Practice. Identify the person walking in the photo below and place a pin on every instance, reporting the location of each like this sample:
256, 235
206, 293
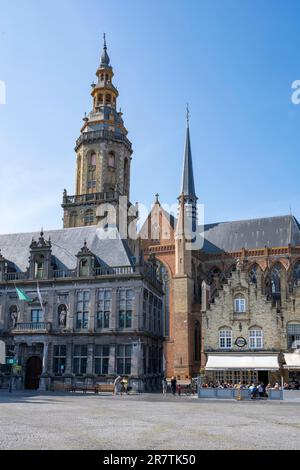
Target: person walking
164, 386
173, 385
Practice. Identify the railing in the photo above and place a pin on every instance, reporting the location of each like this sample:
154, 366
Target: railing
118, 270
102, 134
14, 276
92, 197
58, 274
38, 326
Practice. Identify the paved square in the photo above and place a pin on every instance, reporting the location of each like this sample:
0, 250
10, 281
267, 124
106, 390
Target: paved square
64, 421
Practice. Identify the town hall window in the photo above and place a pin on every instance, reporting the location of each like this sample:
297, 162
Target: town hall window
126, 297
79, 359
36, 316
103, 308
101, 359
82, 312
240, 305
124, 359
59, 359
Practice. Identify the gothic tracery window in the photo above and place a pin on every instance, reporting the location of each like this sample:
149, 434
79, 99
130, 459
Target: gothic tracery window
296, 273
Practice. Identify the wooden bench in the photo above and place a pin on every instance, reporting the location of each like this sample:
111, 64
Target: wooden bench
97, 388
108, 388
61, 387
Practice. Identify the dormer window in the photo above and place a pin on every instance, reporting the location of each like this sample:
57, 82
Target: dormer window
239, 305
39, 267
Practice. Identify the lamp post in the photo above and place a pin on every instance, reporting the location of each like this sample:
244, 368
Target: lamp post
11, 351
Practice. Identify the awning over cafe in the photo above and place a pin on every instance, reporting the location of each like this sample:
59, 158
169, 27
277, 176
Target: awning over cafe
242, 362
292, 361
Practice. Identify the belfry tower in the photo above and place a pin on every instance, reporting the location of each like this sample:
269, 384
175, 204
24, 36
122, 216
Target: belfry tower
103, 155
183, 282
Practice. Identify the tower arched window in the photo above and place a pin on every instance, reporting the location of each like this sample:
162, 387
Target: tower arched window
108, 99
93, 159
126, 175
111, 160
100, 98
89, 217
73, 219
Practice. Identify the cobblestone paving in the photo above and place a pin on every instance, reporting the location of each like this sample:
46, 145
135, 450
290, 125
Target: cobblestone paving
62, 421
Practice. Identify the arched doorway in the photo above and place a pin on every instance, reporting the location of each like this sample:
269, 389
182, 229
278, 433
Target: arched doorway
34, 369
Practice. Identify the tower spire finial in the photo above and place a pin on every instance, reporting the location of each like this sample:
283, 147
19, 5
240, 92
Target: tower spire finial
105, 61
187, 115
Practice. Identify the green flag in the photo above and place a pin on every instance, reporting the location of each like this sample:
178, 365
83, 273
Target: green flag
22, 295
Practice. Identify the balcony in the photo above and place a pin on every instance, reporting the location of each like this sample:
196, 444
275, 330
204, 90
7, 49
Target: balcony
92, 136
15, 276
60, 274
32, 328
116, 271
91, 198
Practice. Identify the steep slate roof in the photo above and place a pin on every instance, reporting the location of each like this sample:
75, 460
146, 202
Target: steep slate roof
66, 243
250, 234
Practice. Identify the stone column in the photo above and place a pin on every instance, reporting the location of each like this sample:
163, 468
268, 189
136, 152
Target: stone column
114, 309
92, 311
45, 379
136, 311
90, 357
112, 360
136, 366
283, 286
69, 359
70, 317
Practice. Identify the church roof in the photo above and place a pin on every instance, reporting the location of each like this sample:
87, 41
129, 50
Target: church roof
66, 244
250, 234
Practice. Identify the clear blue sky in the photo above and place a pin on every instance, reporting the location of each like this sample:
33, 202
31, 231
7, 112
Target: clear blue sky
233, 61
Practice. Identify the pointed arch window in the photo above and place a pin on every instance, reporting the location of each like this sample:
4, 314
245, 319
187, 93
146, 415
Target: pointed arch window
275, 281
253, 274
296, 273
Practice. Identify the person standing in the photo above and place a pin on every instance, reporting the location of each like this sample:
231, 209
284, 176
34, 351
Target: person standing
173, 385
164, 386
116, 383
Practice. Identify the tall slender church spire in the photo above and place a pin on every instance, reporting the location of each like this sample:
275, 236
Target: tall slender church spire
188, 185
